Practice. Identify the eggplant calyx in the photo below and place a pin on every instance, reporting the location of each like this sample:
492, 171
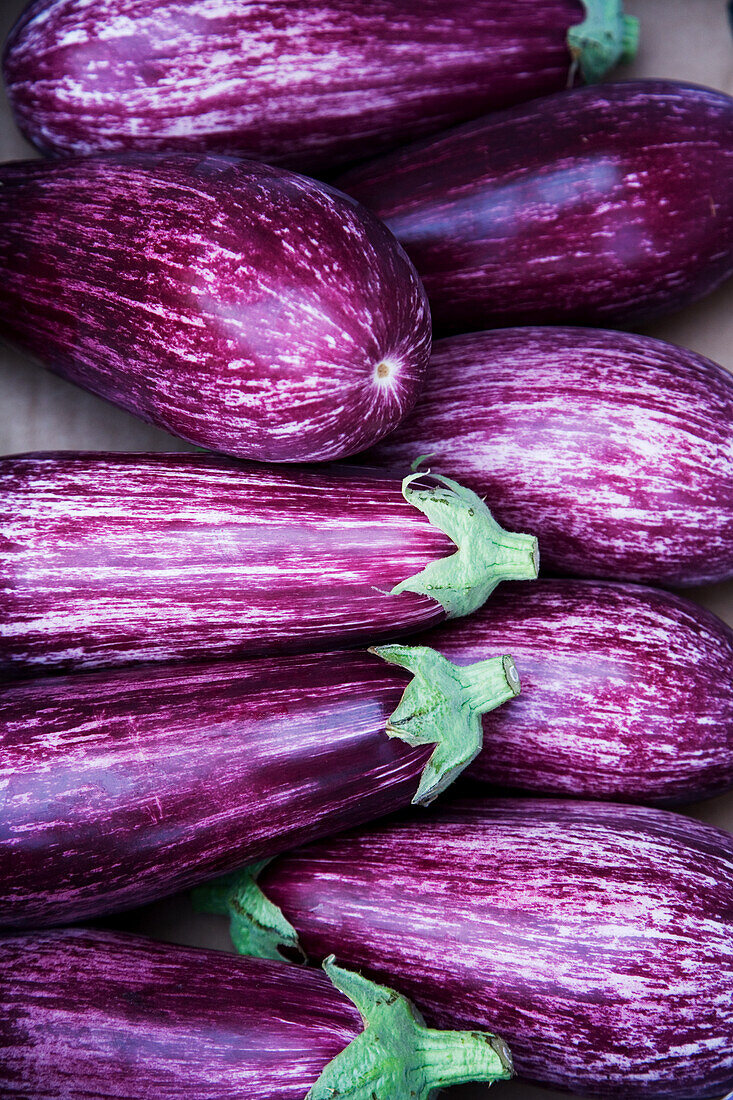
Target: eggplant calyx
442, 706
486, 554
257, 926
604, 38
397, 1057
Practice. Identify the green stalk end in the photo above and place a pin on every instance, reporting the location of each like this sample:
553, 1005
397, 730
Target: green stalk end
604, 38
629, 39
486, 554
442, 706
397, 1057
257, 927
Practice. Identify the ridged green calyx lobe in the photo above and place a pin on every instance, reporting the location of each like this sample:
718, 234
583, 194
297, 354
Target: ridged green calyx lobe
442, 706
397, 1057
486, 554
256, 926
604, 38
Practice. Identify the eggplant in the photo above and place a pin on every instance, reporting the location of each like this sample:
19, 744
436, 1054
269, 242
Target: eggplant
121, 787
627, 692
240, 307
313, 86
617, 450
113, 559
609, 204
91, 1015
597, 939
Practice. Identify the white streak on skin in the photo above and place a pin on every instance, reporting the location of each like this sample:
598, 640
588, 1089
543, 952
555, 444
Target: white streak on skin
108, 559
128, 1016
315, 84
596, 939
615, 450
122, 786
608, 205
627, 691
147, 280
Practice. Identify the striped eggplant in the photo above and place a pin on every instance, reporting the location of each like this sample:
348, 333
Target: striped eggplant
91, 1015
608, 204
616, 449
119, 787
240, 307
627, 692
112, 559
311, 85
597, 939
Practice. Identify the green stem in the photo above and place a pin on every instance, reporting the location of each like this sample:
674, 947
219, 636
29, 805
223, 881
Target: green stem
629, 39
486, 554
442, 706
397, 1057
604, 38
489, 683
456, 1057
257, 926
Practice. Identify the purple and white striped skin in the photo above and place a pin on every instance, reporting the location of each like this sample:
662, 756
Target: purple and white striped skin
240, 307
616, 450
89, 1015
112, 559
596, 938
119, 1016
627, 692
609, 204
117, 788
311, 85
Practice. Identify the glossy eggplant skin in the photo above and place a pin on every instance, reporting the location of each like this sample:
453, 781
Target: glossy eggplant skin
94, 1014
124, 786
243, 308
109, 559
627, 692
157, 1022
615, 449
596, 938
608, 205
312, 86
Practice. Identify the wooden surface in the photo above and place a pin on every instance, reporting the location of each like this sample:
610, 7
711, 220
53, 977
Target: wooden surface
684, 39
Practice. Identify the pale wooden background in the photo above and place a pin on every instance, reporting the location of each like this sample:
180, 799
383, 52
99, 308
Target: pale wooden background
685, 39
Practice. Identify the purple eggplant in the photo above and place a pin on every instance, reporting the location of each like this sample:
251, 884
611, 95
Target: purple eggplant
627, 692
120, 787
597, 939
111, 559
241, 307
312, 85
91, 1015
616, 449
607, 204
